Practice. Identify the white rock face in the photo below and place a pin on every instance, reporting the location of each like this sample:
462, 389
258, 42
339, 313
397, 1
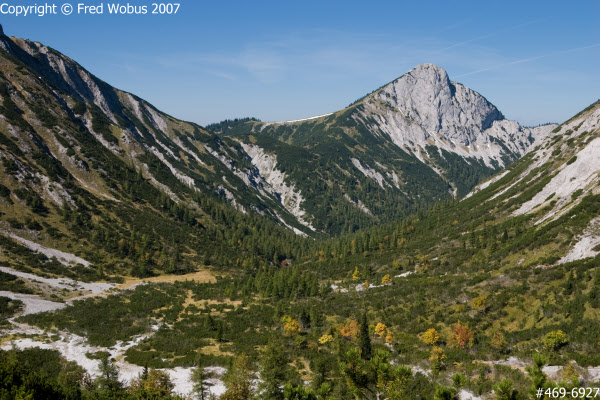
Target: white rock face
466, 395
288, 195
33, 304
248, 177
358, 204
426, 96
135, 106
267, 180
581, 174
179, 175
222, 190
586, 243
158, 121
423, 107
62, 283
68, 75
487, 183
370, 173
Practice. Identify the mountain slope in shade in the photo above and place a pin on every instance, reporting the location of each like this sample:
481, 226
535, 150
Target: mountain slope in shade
189, 158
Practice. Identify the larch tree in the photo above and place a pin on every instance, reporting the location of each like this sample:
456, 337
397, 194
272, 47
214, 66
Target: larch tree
430, 336
386, 280
380, 329
498, 341
238, 379
461, 336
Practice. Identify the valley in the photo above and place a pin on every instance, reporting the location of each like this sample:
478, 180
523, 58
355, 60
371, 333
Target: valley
414, 245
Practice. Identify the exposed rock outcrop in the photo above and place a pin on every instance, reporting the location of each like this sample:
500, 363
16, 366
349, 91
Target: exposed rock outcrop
423, 107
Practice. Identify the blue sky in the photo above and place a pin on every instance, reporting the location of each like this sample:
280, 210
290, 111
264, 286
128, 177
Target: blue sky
276, 60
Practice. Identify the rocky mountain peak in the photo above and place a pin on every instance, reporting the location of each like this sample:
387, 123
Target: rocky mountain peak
1, 30
425, 97
429, 73
424, 107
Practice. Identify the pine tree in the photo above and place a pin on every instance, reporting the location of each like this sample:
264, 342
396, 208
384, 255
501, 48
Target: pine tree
108, 382
220, 329
538, 377
364, 339
273, 368
504, 390
444, 393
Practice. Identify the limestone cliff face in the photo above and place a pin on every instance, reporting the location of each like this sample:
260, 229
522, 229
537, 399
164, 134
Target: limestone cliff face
427, 99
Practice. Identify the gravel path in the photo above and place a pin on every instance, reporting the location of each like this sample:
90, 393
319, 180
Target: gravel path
33, 304
62, 283
66, 259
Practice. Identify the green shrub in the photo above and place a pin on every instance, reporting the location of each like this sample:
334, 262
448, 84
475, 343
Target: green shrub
576, 194
554, 340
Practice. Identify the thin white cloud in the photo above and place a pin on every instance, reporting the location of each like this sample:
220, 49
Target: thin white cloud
525, 60
510, 28
223, 75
